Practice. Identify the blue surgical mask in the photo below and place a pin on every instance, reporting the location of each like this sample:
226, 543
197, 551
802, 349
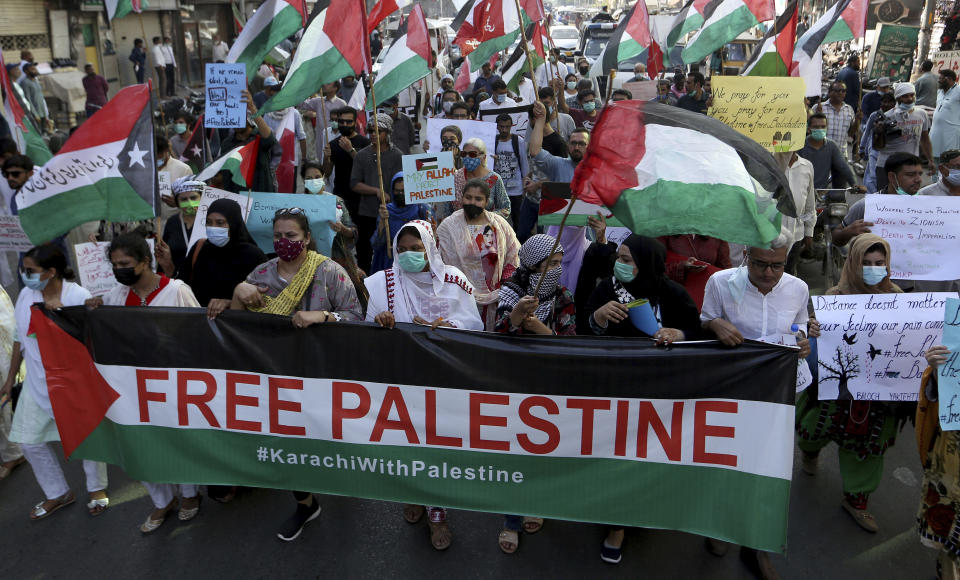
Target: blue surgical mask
873, 275
549, 111
412, 261
905, 106
219, 237
334, 125
499, 99
471, 163
314, 185
901, 191
571, 85
33, 281
590, 106
623, 272
180, 128
818, 134
954, 177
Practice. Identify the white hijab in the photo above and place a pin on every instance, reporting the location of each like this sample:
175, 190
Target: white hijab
419, 287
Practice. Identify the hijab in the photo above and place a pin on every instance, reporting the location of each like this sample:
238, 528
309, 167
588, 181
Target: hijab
650, 257
238, 229
851, 277
525, 279
401, 215
427, 284
575, 243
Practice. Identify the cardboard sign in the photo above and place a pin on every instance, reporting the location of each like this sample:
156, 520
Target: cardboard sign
225, 83
164, 185
948, 379
642, 90
428, 177
12, 236
519, 114
554, 199
94, 268
210, 195
769, 111
320, 211
804, 376
486, 132
871, 346
922, 231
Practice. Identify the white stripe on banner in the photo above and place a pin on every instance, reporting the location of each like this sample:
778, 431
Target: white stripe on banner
673, 153
76, 169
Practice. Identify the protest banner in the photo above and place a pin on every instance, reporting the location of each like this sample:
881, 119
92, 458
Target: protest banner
94, 269
922, 231
946, 59
680, 439
871, 345
554, 199
519, 114
428, 177
486, 132
948, 375
642, 90
319, 209
210, 195
769, 111
12, 236
891, 52
225, 83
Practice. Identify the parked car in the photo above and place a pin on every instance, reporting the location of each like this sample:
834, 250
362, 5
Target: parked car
565, 38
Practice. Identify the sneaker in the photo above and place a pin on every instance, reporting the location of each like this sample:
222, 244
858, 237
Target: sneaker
863, 518
609, 554
808, 462
292, 527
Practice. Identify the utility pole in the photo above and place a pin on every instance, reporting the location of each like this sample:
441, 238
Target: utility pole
926, 30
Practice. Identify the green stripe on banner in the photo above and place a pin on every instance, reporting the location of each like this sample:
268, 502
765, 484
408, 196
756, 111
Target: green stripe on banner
719, 33
308, 78
485, 51
284, 24
839, 32
769, 65
111, 199
746, 509
709, 209
399, 78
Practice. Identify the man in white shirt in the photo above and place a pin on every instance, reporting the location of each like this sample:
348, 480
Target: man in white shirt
220, 49
914, 126
171, 67
320, 108
159, 64
490, 108
799, 173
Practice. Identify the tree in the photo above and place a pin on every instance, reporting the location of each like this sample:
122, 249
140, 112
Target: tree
846, 369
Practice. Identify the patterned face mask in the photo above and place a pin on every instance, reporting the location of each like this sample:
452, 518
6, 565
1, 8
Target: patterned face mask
288, 250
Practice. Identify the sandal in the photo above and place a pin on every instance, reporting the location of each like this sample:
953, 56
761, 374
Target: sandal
509, 541
95, 507
39, 512
532, 525
412, 513
440, 535
151, 525
188, 513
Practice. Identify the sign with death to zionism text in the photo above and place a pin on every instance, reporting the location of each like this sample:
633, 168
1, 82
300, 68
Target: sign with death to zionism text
923, 232
225, 83
769, 111
871, 346
428, 177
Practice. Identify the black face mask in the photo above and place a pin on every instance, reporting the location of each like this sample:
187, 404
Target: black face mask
584, 70
472, 211
345, 130
448, 144
399, 200
126, 276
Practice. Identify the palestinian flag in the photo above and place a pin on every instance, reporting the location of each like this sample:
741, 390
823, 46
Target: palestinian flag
664, 170
485, 28
382, 9
466, 77
240, 162
120, 8
427, 164
555, 197
194, 153
532, 11
700, 449
512, 70
22, 129
728, 19
630, 38
273, 22
105, 171
851, 24
238, 20
845, 20
408, 59
688, 20
334, 45
290, 156
775, 54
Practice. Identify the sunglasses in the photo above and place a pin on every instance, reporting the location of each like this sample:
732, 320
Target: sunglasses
472, 154
14, 173
289, 211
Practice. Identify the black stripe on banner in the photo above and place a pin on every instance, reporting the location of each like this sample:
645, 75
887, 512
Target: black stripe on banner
816, 37
778, 27
508, 110
416, 355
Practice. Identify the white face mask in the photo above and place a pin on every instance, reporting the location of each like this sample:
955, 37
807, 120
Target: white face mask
314, 185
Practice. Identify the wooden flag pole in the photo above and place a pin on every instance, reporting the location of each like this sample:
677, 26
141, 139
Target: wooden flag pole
383, 196
526, 50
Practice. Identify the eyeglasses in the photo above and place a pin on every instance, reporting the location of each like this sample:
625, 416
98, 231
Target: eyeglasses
289, 211
14, 173
774, 266
472, 153
578, 143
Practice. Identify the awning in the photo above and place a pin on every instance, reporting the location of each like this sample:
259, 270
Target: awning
66, 86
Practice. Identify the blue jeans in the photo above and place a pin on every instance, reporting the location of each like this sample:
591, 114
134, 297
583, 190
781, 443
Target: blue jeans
529, 212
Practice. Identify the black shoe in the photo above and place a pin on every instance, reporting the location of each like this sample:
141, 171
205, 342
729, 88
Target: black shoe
758, 563
292, 527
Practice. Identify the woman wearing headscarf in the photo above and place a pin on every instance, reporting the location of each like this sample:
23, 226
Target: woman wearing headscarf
172, 249
44, 274
862, 430
217, 263
552, 311
139, 285
396, 214
474, 155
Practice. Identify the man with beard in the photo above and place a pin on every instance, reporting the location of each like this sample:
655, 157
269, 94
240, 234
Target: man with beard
945, 133
342, 152
556, 168
366, 183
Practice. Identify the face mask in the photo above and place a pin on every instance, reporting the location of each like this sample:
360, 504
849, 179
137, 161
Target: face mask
412, 261
818, 134
33, 281
180, 128
219, 237
446, 106
954, 177
584, 70
590, 106
549, 111
288, 250
189, 207
126, 276
900, 190
314, 185
872, 275
553, 59
333, 125
389, 111
571, 85
399, 200
550, 280
448, 144
472, 211
471, 163
344, 130
161, 163
905, 106
623, 272
499, 99
738, 282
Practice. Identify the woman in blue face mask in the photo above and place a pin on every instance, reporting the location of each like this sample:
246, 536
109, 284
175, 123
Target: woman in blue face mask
474, 156
44, 273
342, 250
862, 430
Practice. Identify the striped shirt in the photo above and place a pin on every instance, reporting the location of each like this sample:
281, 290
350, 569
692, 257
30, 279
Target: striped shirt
838, 124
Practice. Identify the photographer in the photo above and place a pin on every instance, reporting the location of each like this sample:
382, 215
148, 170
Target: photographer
914, 136
875, 136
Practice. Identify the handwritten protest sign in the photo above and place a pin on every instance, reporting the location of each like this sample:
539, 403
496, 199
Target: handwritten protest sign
225, 83
428, 177
210, 195
94, 268
804, 376
642, 90
319, 209
12, 236
164, 185
871, 345
769, 111
519, 114
923, 232
948, 376
486, 132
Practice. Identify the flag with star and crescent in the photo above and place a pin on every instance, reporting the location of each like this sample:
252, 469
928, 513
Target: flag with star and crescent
106, 171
